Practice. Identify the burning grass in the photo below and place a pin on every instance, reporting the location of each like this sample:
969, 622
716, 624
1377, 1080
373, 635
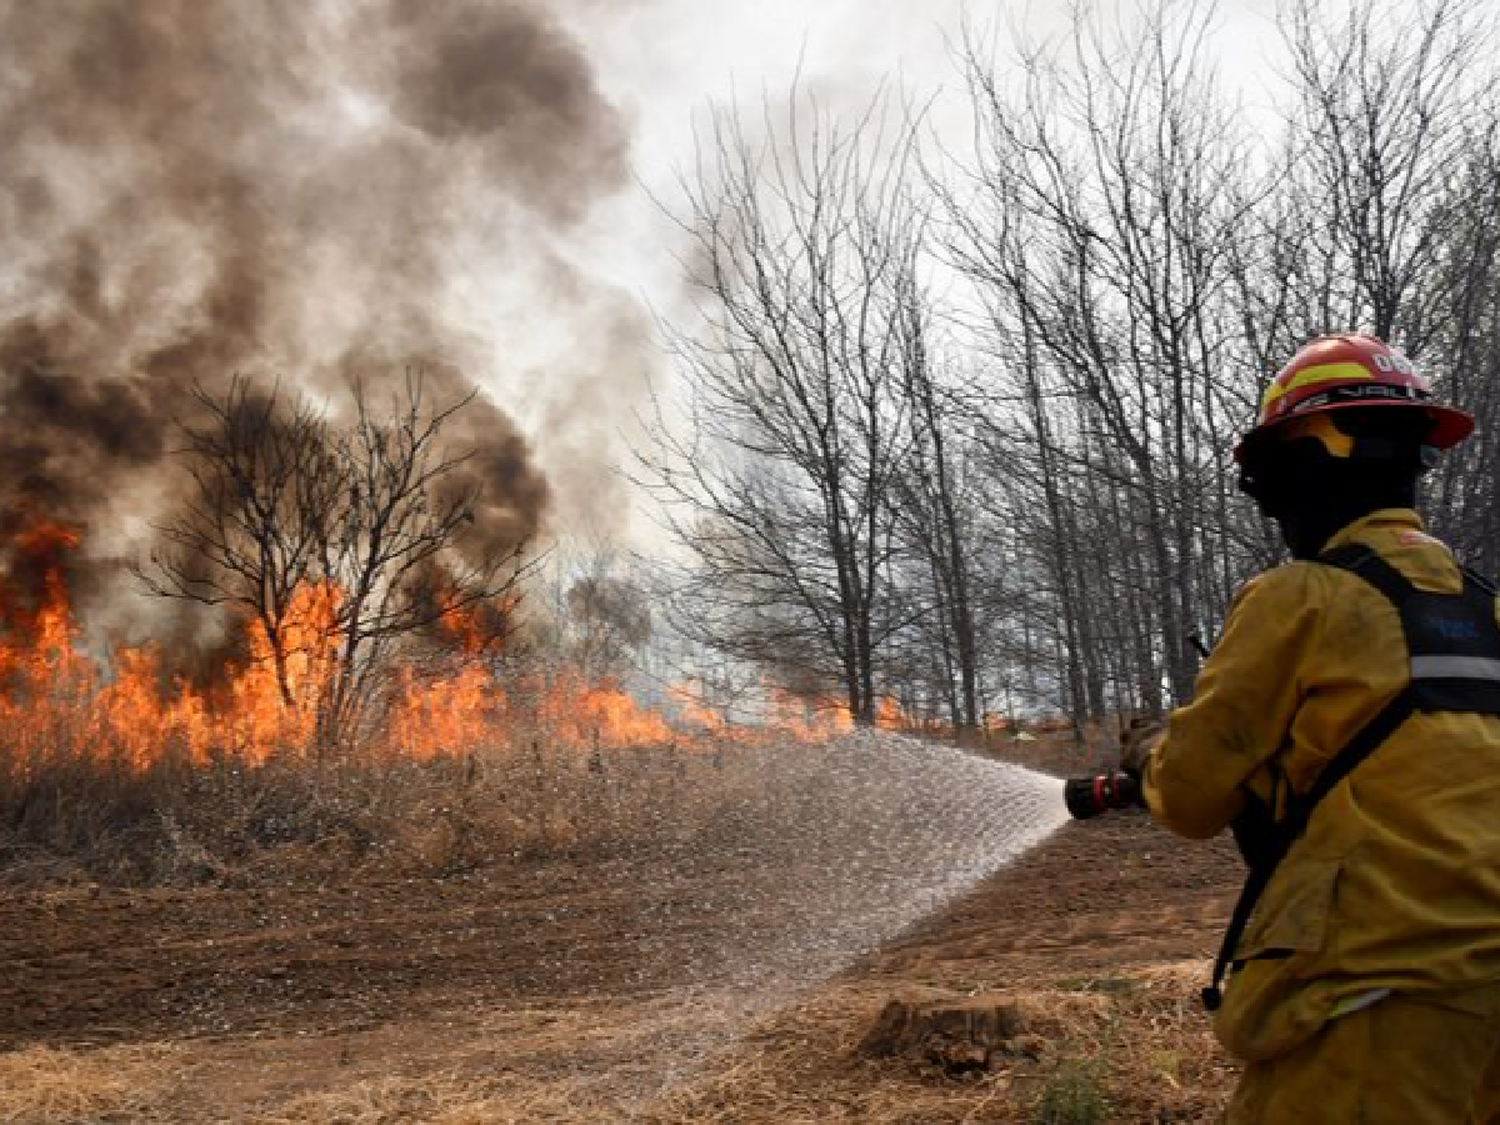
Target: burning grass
460, 755
444, 695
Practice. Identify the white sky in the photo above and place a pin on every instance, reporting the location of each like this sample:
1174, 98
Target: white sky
663, 61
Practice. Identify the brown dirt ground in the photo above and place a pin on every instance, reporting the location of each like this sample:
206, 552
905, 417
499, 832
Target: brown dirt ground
605, 992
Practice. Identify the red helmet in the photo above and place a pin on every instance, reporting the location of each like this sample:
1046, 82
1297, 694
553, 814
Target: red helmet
1337, 372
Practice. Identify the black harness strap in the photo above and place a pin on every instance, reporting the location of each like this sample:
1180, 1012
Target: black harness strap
1361, 560
1454, 647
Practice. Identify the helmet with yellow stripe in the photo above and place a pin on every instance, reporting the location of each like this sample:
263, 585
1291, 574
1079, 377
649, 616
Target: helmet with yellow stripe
1341, 372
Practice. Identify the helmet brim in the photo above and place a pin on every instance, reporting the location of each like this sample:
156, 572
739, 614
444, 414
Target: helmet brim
1449, 425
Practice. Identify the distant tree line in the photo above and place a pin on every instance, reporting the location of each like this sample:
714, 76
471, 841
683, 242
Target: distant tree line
957, 427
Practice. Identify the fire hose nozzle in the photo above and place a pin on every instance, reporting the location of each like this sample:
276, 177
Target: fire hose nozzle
1088, 797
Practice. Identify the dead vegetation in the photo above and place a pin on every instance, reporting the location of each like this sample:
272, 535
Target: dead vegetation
1138, 1054
441, 1100
522, 999
1134, 1053
59, 1086
229, 824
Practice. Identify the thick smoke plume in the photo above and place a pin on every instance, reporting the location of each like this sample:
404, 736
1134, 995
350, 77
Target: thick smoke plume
191, 189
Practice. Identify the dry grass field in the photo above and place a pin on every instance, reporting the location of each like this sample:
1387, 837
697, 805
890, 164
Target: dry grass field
717, 975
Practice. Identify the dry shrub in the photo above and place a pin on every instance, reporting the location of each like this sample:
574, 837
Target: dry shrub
1073, 1093
74, 818
51, 1086
1164, 1063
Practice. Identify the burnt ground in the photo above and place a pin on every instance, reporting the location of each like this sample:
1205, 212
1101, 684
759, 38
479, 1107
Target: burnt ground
637, 992
102, 966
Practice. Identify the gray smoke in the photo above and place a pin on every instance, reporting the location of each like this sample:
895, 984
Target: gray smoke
191, 189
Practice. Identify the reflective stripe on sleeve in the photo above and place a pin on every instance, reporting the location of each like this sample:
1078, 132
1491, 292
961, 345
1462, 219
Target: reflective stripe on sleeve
1358, 1002
1454, 668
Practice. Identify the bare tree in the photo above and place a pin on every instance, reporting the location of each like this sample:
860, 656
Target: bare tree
781, 487
374, 515
1381, 129
1393, 189
1099, 229
938, 504
1056, 530
265, 476
1466, 489
601, 609
395, 548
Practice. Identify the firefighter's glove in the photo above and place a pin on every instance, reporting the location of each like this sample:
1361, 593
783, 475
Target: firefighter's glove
1140, 736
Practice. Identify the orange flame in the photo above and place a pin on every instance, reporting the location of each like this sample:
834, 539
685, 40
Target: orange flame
888, 714
57, 702
808, 719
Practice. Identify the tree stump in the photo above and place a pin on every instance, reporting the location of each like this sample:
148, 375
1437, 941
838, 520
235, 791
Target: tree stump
960, 1034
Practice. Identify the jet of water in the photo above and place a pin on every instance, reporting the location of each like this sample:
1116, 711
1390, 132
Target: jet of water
854, 842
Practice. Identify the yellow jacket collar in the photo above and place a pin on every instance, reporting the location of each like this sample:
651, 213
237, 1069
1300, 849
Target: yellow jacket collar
1382, 518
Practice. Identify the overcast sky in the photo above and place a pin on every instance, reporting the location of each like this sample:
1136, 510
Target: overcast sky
662, 62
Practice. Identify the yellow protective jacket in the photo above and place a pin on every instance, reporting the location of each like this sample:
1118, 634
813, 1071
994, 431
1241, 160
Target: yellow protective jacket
1396, 882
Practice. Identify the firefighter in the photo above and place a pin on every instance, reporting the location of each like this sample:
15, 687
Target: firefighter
1347, 728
